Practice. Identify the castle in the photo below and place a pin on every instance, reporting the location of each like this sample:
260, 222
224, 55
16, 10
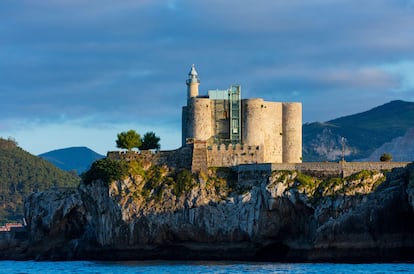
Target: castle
238, 131
223, 130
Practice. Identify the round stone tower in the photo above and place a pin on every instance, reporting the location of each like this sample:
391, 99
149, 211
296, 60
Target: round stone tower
292, 132
252, 124
197, 117
192, 83
200, 124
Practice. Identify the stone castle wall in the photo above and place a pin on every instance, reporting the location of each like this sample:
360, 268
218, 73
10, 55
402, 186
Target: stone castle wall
178, 159
252, 122
273, 126
233, 155
292, 132
273, 136
244, 160
262, 126
197, 120
319, 169
276, 126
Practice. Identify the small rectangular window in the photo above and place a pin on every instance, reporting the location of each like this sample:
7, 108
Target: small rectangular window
235, 126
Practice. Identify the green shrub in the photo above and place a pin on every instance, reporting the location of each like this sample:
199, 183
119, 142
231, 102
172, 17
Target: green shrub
107, 170
154, 180
386, 157
184, 181
223, 179
362, 175
331, 187
220, 184
307, 183
135, 168
306, 180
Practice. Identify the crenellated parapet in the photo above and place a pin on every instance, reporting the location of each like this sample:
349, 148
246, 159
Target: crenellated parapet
260, 131
233, 155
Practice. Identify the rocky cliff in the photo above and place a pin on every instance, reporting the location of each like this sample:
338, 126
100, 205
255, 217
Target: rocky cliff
287, 216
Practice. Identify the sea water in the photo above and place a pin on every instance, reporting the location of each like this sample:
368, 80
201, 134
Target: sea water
196, 267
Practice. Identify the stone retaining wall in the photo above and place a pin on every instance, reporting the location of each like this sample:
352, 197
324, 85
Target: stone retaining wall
243, 160
323, 169
177, 159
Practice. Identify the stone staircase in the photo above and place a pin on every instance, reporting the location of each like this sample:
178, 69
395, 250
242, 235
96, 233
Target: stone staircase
199, 161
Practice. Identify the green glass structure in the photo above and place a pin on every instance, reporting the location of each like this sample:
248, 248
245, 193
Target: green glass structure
226, 115
235, 114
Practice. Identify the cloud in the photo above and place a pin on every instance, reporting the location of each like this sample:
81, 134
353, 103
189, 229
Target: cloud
108, 62
345, 77
405, 71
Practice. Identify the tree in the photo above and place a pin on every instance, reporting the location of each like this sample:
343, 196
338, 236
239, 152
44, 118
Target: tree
150, 141
386, 157
128, 140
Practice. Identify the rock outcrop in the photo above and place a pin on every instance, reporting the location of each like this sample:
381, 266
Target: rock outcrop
277, 218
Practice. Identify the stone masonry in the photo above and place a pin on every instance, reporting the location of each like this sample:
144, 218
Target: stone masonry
238, 131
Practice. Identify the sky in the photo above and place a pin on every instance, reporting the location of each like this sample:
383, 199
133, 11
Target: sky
77, 73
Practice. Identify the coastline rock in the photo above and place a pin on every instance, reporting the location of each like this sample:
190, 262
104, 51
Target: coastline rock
272, 220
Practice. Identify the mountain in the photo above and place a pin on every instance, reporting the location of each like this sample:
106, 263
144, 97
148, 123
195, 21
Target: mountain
22, 173
386, 128
72, 158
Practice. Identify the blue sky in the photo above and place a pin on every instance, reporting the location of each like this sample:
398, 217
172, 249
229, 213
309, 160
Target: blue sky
76, 73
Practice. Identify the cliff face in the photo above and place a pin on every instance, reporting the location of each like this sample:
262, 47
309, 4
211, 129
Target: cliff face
280, 218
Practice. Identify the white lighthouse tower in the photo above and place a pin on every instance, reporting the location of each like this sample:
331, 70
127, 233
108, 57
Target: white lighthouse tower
192, 83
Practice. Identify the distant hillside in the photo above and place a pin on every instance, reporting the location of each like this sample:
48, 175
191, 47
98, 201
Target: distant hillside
77, 159
365, 133
22, 173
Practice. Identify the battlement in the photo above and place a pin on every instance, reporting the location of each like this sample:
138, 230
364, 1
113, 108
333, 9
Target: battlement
236, 147
224, 117
232, 155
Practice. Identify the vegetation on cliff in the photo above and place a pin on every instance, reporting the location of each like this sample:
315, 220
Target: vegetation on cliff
249, 213
314, 189
149, 182
106, 170
21, 174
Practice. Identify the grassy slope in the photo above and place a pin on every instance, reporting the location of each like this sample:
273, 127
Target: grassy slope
22, 173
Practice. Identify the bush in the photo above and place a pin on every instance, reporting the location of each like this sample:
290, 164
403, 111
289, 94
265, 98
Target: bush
307, 183
184, 182
135, 168
330, 187
154, 179
361, 175
106, 170
386, 157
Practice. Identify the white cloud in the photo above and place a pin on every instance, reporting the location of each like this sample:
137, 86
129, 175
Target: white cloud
405, 71
108, 61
